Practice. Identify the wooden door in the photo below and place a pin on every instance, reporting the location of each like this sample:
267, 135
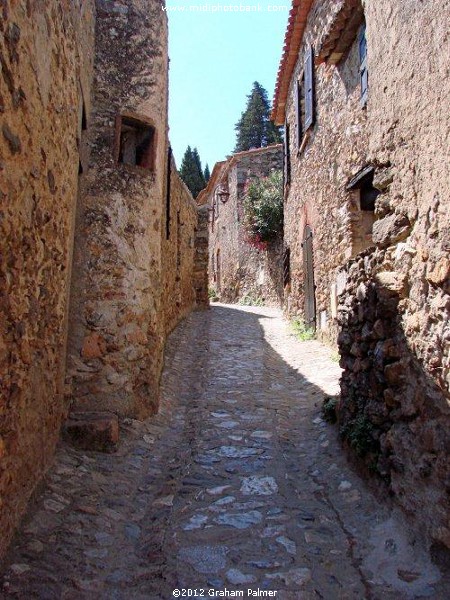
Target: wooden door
308, 269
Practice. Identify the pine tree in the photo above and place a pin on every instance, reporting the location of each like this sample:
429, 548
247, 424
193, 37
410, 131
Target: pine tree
207, 174
191, 171
255, 129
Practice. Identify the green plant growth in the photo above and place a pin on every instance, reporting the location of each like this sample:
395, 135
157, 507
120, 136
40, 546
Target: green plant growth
335, 357
191, 171
251, 300
359, 434
263, 209
302, 331
212, 294
329, 409
255, 129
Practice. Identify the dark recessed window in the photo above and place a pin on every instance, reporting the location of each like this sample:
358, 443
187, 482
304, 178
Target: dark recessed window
367, 196
136, 144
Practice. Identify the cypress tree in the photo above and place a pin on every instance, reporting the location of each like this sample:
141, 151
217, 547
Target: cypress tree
191, 171
255, 129
207, 174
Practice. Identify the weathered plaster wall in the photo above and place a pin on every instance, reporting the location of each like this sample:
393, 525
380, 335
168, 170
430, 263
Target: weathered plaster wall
334, 150
117, 332
244, 270
394, 313
46, 53
179, 294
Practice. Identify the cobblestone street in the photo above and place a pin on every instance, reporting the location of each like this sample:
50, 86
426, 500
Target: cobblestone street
237, 484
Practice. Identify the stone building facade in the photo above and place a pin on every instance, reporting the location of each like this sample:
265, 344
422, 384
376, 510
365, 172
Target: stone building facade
238, 271
366, 223
98, 234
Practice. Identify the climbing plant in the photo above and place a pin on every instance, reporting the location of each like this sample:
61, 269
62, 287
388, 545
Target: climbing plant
263, 209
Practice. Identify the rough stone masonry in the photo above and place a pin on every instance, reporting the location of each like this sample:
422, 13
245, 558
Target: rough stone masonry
91, 209
363, 87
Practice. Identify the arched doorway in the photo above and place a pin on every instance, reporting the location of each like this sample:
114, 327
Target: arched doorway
308, 270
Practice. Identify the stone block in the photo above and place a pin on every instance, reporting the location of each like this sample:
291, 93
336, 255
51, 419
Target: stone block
93, 431
94, 346
391, 229
392, 281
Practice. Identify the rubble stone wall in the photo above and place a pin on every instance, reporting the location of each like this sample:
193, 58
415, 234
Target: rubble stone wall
394, 310
46, 51
333, 150
179, 296
117, 324
245, 273
201, 258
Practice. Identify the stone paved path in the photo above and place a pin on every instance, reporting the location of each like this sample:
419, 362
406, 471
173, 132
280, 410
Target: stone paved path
236, 485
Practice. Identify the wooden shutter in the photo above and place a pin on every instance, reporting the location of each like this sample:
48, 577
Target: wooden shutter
298, 112
309, 88
286, 155
363, 74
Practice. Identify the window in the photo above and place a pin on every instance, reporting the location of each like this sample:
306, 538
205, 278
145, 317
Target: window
309, 88
286, 156
304, 97
363, 74
362, 208
299, 111
136, 142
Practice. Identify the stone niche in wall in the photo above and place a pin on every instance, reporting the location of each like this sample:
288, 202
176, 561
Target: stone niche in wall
361, 211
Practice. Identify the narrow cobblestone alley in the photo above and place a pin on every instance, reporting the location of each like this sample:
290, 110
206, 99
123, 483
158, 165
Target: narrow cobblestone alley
237, 484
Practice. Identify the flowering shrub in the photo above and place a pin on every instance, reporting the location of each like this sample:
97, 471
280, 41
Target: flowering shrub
263, 210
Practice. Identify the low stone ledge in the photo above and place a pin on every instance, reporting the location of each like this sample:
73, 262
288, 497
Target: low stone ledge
92, 431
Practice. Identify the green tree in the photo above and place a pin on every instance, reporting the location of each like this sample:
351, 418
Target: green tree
207, 174
255, 129
263, 209
191, 171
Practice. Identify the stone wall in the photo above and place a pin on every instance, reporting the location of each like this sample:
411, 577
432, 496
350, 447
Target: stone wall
322, 162
381, 275
238, 270
85, 201
395, 308
179, 295
46, 53
394, 410
117, 324
201, 258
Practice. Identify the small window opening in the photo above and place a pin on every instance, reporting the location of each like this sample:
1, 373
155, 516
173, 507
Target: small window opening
136, 143
367, 196
83, 119
362, 206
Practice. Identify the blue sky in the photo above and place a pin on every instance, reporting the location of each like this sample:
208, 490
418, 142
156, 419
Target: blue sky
215, 56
